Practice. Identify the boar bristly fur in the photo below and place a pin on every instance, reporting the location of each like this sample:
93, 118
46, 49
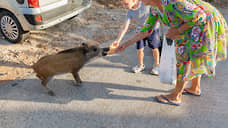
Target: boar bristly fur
70, 60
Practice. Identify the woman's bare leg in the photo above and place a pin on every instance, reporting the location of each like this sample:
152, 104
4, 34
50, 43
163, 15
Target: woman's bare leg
195, 88
176, 94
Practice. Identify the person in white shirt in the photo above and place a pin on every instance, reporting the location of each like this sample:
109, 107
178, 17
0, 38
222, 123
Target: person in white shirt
138, 12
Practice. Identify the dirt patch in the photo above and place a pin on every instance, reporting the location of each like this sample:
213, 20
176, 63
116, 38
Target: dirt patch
110, 3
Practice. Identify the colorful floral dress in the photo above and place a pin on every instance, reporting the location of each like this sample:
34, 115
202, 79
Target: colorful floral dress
198, 49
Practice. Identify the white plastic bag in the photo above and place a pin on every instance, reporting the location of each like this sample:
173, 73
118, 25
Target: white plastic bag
168, 63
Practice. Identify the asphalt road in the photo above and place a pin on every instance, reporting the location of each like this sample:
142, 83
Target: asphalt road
112, 97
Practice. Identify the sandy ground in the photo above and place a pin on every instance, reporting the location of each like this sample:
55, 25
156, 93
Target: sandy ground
98, 24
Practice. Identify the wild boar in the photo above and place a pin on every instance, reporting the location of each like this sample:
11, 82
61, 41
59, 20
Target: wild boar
108, 51
70, 60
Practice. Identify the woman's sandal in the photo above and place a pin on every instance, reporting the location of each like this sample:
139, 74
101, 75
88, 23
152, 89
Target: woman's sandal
167, 101
186, 92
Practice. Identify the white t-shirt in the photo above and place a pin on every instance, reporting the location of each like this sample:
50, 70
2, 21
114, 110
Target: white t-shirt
140, 15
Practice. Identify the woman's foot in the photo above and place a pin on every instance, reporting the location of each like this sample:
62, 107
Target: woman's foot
168, 99
191, 91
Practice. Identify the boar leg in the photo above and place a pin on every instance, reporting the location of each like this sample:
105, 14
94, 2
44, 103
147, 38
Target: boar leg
77, 78
44, 83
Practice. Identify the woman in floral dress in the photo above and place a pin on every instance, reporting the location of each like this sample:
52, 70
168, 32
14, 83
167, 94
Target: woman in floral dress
199, 32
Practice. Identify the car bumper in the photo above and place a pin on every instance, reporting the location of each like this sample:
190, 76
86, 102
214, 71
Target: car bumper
53, 17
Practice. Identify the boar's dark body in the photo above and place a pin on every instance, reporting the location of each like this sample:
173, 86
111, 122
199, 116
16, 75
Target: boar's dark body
70, 60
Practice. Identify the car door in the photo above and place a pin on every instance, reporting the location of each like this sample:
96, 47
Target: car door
43, 3
69, 3
76, 3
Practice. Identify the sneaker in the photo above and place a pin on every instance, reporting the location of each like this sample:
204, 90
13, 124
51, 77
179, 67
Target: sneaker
155, 70
138, 68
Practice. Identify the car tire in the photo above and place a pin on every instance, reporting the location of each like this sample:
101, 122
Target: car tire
11, 28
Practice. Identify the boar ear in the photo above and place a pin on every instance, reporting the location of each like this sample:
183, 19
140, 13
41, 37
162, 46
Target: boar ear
85, 48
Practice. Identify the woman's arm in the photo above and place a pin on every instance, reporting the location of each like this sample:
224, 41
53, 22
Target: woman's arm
174, 32
187, 12
137, 37
184, 27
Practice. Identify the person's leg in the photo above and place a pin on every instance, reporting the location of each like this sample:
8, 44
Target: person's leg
154, 43
140, 51
195, 88
140, 48
140, 55
156, 56
176, 94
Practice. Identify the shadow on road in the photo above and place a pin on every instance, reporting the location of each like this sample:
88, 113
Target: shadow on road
31, 90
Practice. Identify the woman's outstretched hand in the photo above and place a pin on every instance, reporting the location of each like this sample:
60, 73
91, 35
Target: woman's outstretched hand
121, 47
132, 40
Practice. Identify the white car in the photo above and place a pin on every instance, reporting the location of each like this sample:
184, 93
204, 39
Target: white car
18, 17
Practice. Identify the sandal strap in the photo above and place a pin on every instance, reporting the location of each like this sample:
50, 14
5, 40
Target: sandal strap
169, 100
165, 98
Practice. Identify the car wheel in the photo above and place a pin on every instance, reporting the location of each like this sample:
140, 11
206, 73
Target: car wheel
10, 27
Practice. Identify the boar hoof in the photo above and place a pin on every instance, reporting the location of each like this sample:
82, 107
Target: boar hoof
51, 93
78, 84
